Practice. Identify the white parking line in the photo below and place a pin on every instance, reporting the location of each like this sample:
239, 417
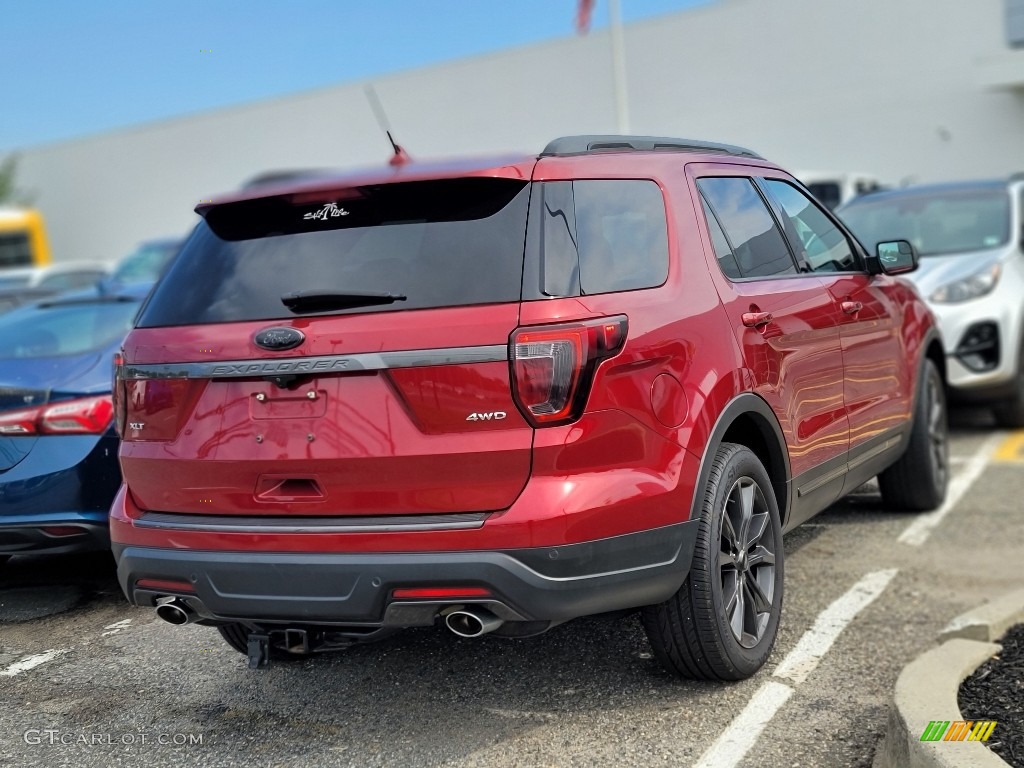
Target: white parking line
31, 662
743, 732
918, 531
816, 641
117, 626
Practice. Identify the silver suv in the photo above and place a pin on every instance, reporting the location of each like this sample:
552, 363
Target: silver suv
970, 236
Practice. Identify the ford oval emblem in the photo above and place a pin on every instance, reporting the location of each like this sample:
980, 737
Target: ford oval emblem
279, 339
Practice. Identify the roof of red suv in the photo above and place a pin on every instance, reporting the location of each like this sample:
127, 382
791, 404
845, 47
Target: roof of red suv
316, 182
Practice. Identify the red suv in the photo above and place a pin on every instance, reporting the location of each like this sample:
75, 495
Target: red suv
503, 394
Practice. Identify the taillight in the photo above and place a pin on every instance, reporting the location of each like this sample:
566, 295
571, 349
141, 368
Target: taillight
120, 409
89, 415
84, 416
21, 422
553, 366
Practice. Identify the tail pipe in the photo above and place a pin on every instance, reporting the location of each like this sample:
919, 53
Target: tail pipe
174, 611
472, 622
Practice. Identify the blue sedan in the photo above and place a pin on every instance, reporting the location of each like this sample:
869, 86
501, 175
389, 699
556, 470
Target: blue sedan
58, 449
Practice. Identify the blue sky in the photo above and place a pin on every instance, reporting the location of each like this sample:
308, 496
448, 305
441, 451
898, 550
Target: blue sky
71, 68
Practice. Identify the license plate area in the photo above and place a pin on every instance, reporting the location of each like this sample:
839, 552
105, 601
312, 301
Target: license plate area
306, 402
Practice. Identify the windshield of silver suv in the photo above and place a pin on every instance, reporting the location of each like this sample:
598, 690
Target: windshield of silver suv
938, 221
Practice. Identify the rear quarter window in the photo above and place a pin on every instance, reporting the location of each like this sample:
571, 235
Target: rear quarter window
598, 236
439, 243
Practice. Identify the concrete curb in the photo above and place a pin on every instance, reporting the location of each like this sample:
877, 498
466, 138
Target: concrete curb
988, 622
927, 690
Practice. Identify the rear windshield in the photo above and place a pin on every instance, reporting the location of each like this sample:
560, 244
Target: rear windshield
438, 243
72, 328
937, 223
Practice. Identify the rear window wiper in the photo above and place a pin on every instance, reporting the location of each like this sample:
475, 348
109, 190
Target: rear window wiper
324, 301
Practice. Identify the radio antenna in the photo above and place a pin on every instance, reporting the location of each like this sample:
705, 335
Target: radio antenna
400, 156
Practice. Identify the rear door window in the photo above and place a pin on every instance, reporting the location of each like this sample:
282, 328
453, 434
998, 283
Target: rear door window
442, 243
599, 236
756, 242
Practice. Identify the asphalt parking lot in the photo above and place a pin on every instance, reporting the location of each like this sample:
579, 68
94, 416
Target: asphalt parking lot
87, 680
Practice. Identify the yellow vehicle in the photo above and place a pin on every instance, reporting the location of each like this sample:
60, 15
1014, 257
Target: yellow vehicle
22, 238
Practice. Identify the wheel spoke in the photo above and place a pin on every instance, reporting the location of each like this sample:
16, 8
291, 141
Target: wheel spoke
758, 525
749, 635
935, 417
761, 602
747, 489
760, 555
726, 561
736, 617
728, 531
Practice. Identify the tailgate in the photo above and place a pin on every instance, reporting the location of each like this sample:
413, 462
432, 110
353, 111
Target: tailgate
401, 431
343, 352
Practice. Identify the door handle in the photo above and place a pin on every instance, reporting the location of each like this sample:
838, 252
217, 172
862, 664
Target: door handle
851, 307
757, 319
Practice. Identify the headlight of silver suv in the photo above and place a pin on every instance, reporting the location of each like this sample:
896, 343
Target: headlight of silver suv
967, 288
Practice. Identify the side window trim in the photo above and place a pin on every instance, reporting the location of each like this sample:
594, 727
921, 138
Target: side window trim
778, 213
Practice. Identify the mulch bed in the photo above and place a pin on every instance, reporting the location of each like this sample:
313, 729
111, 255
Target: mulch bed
996, 692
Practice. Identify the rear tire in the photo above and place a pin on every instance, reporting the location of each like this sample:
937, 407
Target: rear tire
917, 481
722, 623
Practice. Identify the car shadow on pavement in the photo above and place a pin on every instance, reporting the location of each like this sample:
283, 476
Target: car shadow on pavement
449, 697
34, 587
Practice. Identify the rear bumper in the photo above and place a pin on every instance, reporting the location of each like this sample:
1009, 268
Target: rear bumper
65, 480
534, 584
28, 534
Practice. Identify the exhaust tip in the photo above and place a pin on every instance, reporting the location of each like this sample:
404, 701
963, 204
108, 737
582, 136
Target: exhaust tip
173, 611
472, 622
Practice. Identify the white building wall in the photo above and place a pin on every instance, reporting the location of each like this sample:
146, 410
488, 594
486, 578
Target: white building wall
891, 87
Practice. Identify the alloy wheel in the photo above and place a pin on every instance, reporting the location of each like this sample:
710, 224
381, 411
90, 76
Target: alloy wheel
937, 431
746, 562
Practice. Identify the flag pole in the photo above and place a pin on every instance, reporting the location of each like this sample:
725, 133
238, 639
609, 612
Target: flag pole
618, 66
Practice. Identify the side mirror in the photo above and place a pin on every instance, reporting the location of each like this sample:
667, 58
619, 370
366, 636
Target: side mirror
896, 257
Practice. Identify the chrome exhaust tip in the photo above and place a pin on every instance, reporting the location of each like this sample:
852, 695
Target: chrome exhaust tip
472, 622
174, 611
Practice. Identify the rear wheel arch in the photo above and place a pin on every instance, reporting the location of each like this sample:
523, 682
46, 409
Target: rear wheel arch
749, 421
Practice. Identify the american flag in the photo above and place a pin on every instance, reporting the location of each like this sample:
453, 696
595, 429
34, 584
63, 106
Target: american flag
583, 12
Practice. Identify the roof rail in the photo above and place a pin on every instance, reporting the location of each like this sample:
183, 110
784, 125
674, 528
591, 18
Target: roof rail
581, 145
